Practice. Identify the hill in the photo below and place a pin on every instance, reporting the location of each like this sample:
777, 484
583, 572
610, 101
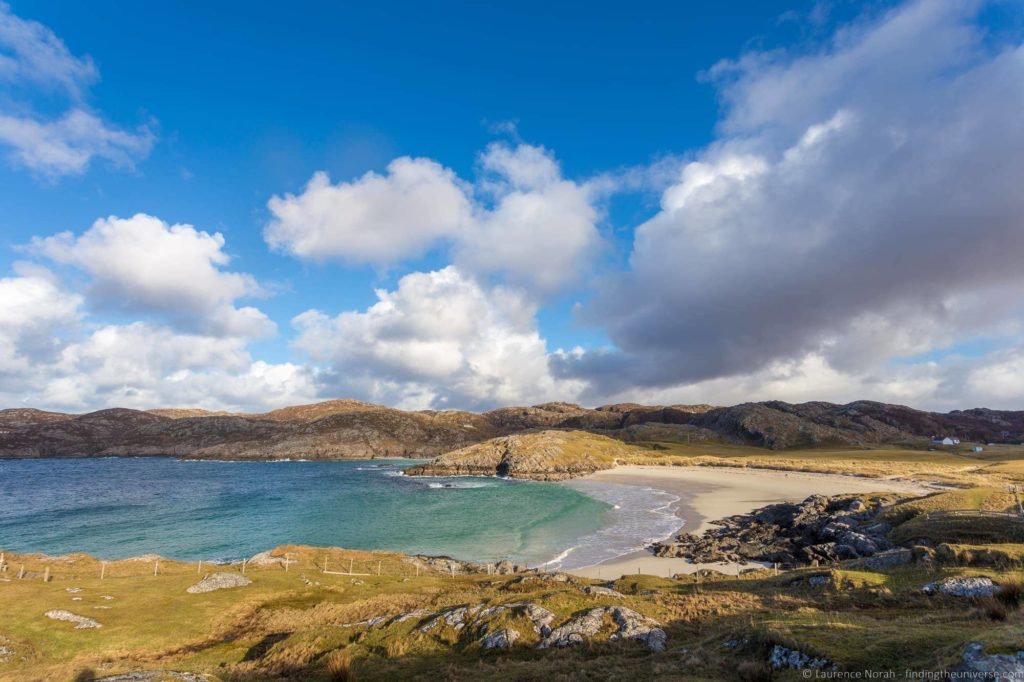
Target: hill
352, 429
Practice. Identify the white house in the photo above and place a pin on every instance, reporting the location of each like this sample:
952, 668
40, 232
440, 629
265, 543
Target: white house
945, 441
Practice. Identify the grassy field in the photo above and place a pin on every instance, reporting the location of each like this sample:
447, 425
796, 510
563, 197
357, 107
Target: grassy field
291, 624
1001, 464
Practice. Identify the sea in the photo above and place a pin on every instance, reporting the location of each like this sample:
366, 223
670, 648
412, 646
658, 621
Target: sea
188, 510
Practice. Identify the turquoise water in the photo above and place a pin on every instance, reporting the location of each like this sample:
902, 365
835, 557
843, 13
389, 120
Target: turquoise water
213, 510
120, 507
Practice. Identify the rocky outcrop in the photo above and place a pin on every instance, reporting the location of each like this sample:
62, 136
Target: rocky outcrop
219, 581
993, 668
502, 639
965, 586
546, 455
819, 529
585, 626
781, 657
81, 622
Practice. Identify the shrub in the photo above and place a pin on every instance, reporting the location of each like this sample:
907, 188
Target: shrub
992, 608
754, 671
1011, 593
339, 667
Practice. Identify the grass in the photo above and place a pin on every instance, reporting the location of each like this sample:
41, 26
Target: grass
287, 625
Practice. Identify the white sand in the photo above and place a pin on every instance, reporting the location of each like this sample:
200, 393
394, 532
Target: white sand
710, 493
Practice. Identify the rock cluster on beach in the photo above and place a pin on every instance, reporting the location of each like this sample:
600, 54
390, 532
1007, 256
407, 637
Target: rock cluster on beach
819, 529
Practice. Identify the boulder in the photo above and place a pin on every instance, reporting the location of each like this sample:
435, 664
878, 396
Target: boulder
502, 639
81, 622
964, 586
219, 581
887, 559
598, 591
781, 657
994, 668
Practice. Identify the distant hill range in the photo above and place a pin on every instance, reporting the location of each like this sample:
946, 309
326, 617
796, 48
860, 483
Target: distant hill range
342, 429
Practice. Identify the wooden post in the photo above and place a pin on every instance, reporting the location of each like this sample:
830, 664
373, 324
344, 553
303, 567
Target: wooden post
243, 566
417, 570
325, 564
378, 568
46, 575
350, 566
199, 568
451, 567
103, 570
21, 573
286, 562
156, 567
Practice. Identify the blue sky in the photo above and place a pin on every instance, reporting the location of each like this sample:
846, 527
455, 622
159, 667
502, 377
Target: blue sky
221, 109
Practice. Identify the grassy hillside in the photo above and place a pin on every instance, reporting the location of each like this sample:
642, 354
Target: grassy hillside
304, 624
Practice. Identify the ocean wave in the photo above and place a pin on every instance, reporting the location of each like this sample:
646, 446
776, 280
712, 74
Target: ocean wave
638, 516
459, 484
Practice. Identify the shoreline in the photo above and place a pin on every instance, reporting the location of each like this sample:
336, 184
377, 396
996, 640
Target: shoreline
707, 494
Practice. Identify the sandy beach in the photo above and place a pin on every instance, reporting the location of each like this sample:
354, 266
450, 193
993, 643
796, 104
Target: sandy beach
710, 493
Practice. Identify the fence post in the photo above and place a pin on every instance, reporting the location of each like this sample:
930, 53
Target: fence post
350, 565
199, 568
103, 570
156, 567
46, 575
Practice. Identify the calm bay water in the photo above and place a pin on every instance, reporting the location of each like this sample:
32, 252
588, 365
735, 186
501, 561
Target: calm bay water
188, 510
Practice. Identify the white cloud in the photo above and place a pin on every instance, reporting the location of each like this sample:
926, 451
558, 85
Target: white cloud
377, 219
67, 145
861, 204
438, 340
33, 60
32, 53
33, 314
524, 222
142, 366
142, 264
541, 233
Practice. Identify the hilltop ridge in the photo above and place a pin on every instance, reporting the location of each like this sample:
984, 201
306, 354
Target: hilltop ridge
346, 429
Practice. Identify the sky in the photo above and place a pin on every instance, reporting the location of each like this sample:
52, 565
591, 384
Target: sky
465, 205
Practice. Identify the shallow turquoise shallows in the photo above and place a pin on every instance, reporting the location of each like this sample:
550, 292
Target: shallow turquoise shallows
120, 507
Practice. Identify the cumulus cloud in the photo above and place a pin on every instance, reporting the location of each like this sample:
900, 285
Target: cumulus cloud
861, 203
34, 60
377, 219
141, 365
522, 222
52, 355
438, 340
143, 264
34, 312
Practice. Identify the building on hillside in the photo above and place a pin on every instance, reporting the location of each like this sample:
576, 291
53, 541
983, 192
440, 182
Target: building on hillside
945, 440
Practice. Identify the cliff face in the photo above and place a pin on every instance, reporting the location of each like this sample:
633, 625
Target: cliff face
544, 456
340, 429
